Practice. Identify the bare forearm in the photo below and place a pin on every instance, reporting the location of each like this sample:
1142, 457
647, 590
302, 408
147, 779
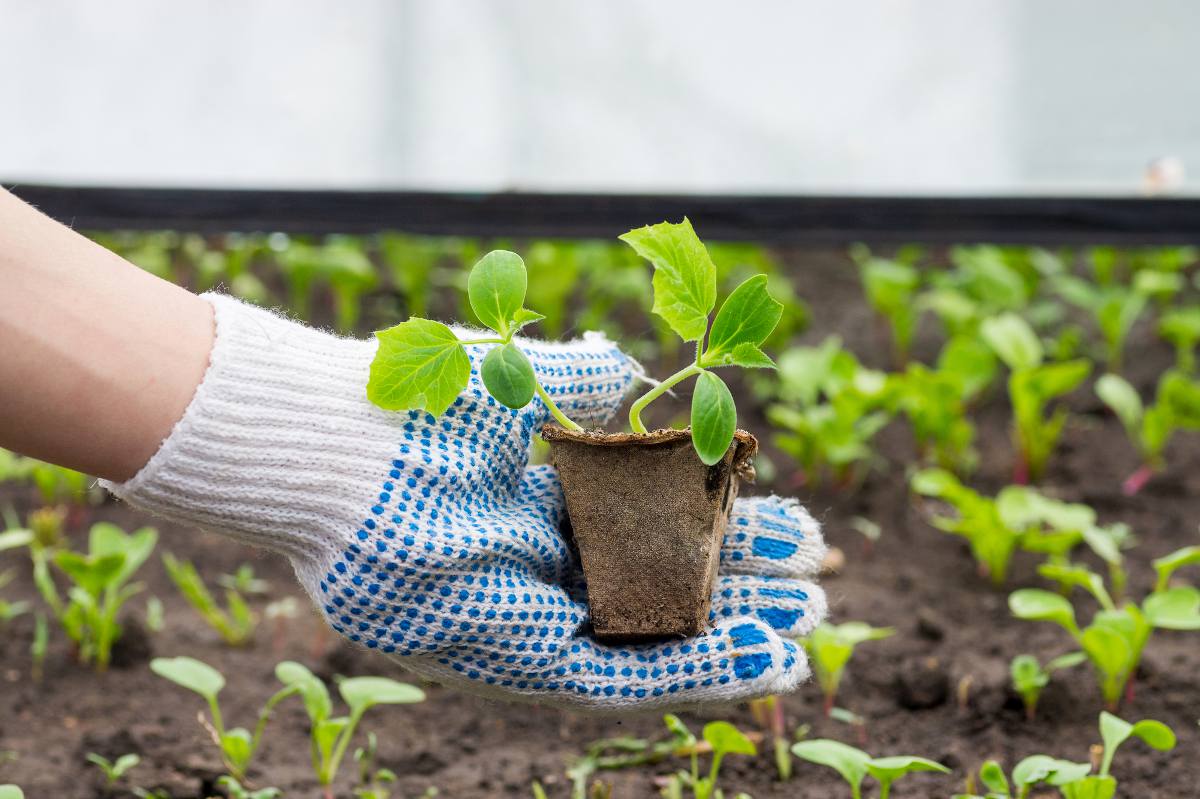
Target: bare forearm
98, 359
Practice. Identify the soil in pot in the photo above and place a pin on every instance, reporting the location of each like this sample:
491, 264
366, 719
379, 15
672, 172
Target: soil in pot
648, 517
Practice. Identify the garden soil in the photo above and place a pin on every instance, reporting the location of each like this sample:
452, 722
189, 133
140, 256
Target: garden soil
938, 688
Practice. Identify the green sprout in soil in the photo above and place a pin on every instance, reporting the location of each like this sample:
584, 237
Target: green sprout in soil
1074, 780
235, 623
372, 782
722, 738
422, 364
113, 769
238, 745
829, 410
244, 582
55, 484
100, 587
331, 735
1150, 428
891, 287
237, 791
1030, 678
1117, 636
1181, 328
1032, 385
830, 647
854, 764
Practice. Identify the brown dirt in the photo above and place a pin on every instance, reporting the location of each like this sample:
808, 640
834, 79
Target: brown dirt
648, 518
947, 663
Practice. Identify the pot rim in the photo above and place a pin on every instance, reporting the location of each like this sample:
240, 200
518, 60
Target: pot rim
746, 444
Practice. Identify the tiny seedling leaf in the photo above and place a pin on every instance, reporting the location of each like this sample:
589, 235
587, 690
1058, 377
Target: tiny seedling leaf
1117, 393
496, 289
1114, 731
312, 691
727, 739
1042, 768
679, 730
508, 376
992, 777
420, 364
714, 418
747, 317
748, 356
1013, 340
851, 763
685, 278
1174, 608
191, 674
889, 769
361, 693
1035, 604
1167, 565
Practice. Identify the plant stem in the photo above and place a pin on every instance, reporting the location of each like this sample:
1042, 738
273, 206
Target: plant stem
558, 415
485, 341
1135, 481
635, 412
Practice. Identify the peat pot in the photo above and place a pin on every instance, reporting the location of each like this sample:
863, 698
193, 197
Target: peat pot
648, 518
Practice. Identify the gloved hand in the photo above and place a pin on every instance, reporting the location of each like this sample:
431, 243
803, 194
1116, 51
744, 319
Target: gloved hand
434, 541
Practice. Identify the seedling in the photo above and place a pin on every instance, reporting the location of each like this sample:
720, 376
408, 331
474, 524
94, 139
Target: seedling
372, 782
854, 764
722, 738
891, 287
1117, 635
237, 791
235, 623
1030, 678
768, 713
244, 582
1176, 407
423, 365
101, 587
830, 646
340, 263
330, 736
1181, 327
55, 484
1032, 385
113, 770
1075, 780
238, 746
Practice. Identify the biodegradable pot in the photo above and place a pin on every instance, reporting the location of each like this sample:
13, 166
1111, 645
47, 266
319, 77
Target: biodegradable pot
648, 518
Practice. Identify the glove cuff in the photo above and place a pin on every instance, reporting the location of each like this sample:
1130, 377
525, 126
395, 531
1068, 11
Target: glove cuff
278, 441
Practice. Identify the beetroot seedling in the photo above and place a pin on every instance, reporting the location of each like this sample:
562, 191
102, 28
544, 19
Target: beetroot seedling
1150, 428
331, 735
1032, 385
1030, 678
1181, 327
891, 287
830, 647
722, 739
238, 745
854, 765
113, 769
235, 623
237, 791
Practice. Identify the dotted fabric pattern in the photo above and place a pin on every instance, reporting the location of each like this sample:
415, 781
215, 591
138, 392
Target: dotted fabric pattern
433, 541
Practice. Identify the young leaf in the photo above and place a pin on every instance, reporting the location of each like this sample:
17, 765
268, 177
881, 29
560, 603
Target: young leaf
1174, 608
992, 777
1013, 340
1116, 392
746, 317
685, 278
496, 289
420, 365
1115, 731
1041, 768
508, 376
679, 731
312, 691
11, 792
714, 418
361, 693
851, 763
889, 769
1166, 566
727, 739
191, 674
748, 356
1038, 605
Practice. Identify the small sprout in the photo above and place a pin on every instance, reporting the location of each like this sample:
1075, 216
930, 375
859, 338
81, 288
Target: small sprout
238, 746
854, 764
1176, 407
891, 289
372, 782
155, 615
831, 646
244, 582
235, 623
1032, 385
1181, 327
113, 770
1115, 731
237, 791
1030, 678
332, 735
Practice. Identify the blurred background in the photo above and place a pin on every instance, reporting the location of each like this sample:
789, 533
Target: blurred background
910, 97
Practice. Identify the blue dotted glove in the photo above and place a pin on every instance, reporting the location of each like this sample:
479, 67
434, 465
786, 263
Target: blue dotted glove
434, 541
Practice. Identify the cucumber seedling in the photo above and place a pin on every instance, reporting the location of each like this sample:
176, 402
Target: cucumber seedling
854, 765
1030, 678
331, 735
235, 623
1032, 385
423, 365
830, 647
1150, 428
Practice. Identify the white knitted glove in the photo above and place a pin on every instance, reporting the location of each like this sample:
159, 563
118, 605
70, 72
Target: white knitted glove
434, 541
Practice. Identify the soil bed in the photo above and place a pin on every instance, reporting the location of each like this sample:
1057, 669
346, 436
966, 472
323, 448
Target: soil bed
937, 689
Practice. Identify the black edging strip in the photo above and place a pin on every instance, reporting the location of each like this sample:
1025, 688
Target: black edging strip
782, 219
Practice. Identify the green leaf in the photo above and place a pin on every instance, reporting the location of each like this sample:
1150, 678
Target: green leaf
1035, 604
727, 739
236, 746
747, 317
1091, 788
1167, 565
496, 289
1114, 731
714, 418
191, 674
748, 356
12, 539
992, 777
1106, 648
1013, 340
361, 693
679, 731
889, 769
1041, 768
685, 278
1174, 608
312, 691
419, 365
11, 792
851, 763
508, 376
525, 317
1117, 393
